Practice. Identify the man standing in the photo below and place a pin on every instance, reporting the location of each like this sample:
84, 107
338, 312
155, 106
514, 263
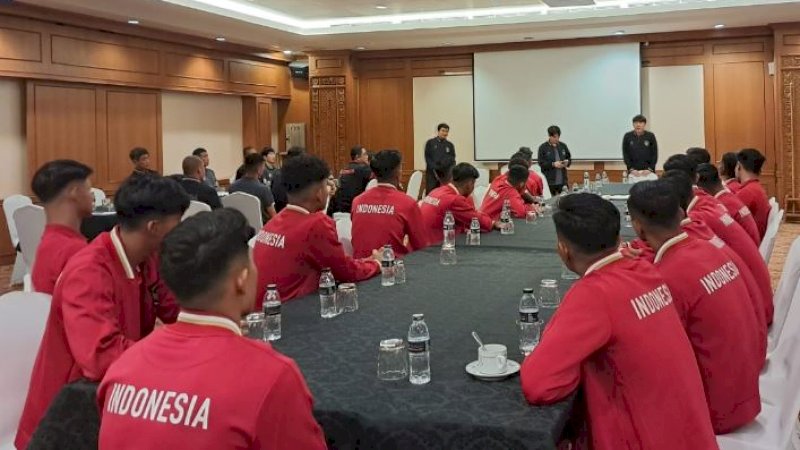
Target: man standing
140, 158
270, 165
353, 180
192, 182
250, 183
209, 178
752, 194
640, 149
554, 158
437, 150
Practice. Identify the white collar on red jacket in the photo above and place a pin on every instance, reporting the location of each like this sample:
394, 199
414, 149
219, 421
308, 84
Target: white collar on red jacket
686, 221
387, 185
209, 321
616, 256
454, 188
669, 244
123, 257
726, 182
299, 209
724, 190
691, 204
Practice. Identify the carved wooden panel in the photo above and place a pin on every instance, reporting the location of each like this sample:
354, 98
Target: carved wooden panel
92, 54
790, 129
329, 122
20, 45
194, 67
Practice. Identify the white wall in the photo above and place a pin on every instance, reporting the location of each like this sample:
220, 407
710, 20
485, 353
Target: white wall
13, 150
213, 122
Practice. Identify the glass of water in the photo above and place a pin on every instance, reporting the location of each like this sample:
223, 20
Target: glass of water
255, 323
530, 217
447, 257
399, 272
567, 274
347, 297
392, 360
548, 294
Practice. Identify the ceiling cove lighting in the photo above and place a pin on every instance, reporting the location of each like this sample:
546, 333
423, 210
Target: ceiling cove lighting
133, 22
220, 39
719, 26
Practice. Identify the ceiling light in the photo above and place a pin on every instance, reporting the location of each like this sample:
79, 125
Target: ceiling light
447, 43
719, 25
381, 7
133, 22
220, 39
527, 38
619, 33
287, 52
361, 48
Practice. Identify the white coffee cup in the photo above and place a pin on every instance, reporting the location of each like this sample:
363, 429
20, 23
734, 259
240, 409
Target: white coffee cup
492, 359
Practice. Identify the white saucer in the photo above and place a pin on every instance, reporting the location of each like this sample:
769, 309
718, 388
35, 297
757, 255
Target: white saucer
473, 369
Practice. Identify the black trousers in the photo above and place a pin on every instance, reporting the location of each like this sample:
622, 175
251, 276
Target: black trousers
555, 189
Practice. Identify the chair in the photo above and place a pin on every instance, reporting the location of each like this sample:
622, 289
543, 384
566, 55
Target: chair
337, 216
504, 169
30, 221
372, 183
99, 196
478, 194
768, 242
247, 204
414, 185
196, 207
10, 204
787, 287
344, 229
545, 189
22, 320
483, 179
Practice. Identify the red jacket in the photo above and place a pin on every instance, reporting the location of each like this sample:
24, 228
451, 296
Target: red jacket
182, 388
59, 244
753, 195
533, 186
446, 198
498, 192
100, 307
384, 215
712, 299
293, 248
740, 213
618, 336
732, 184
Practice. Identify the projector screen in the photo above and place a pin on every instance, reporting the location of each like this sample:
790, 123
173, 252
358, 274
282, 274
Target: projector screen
590, 92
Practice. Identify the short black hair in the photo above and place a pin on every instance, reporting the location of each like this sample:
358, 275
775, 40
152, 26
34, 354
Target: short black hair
199, 151
355, 152
655, 203
729, 161
699, 155
751, 159
137, 153
191, 164
464, 172
553, 130
520, 161
302, 171
588, 222
639, 118
50, 179
682, 163
526, 151
294, 151
442, 126
708, 177
517, 173
247, 150
253, 162
148, 197
681, 185
206, 245
266, 151
523, 156
385, 163
444, 168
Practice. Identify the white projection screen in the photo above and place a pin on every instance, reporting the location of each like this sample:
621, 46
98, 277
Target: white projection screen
591, 92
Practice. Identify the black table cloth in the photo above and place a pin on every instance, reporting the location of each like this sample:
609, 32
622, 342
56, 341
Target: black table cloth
338, 357
95, 224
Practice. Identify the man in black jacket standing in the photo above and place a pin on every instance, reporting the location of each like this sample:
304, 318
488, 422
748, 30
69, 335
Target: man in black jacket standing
640, 149
437, 150
554, 158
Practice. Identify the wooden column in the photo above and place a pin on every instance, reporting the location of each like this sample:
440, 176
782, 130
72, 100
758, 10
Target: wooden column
787, 60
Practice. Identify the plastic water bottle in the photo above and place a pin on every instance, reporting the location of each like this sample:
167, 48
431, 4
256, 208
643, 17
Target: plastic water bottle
506, 224
605, 178
474, 237
387, 266
449, 230
419, 355
586, 182
530, 325
327, 295
272, 313
624, 177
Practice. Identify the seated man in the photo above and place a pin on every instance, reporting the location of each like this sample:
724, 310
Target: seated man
293, 248
708, 180
752, 194
250, 183
535, 184
108, 296
712, 299
192, 183
386, 215
278, 191
353, 180
727, 171
698, 155
209, 177
191, 372
249, 150
510, 188
455, 195
617, 336
140, 158
65, 191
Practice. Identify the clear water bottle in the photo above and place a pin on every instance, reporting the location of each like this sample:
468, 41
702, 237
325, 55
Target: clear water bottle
399, 272
506, 224
624, 177
530, 325
575, 187
449, 230
387, 266
627, 218
327, 295
586, 182
474, 235
605, 178
272, 313
419, 355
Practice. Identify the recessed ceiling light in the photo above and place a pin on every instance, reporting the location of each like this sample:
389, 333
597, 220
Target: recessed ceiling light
287, 52
619, 32
447, 43
381, 7
361, 48
527, 38
220, 39
719, 25
133, 22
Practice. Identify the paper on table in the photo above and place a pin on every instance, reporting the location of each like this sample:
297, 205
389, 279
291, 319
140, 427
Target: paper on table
616, 197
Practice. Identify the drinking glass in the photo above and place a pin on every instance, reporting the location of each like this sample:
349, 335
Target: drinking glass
567, 274
399, 272
530, 217
255, 325
548, 294
447, 257
347, 297
392, 360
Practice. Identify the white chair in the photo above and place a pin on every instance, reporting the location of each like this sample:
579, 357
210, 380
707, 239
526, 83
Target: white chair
504, 169
22, 320
483, 179
337, 216
344, 229
414, 185
545, 189
478, 194
768, 242
787, 287
247, 204
194, 208
99, 196
779, 365
30, 221
372, 183
10, 204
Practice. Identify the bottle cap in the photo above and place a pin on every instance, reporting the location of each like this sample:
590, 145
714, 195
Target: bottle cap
418, 316
527, 291
272, 287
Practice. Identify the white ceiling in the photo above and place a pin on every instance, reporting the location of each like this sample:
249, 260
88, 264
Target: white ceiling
306, 25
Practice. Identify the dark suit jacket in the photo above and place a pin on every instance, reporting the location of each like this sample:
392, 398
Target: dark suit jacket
547, 157
201, 192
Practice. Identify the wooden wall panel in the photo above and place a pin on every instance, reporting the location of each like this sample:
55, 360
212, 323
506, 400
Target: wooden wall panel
133, 119
256, 122
739, 103
384, 104
20, 45
194, 67
93, 54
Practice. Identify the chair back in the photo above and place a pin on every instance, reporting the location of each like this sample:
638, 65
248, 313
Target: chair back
99, 196
194, 208
478, 195
30, 221
414, 185
483, 179
504, 169
372, 183
337, 216
768, 242
787, 287
344, 229
247, 204
545, 189
22, 320
10, 204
